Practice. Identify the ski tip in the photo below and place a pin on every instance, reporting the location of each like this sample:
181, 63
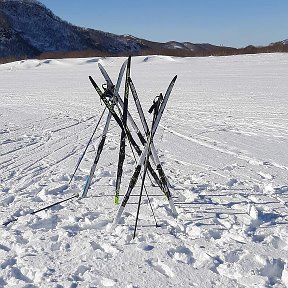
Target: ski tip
129, 62
175, 77
93, 82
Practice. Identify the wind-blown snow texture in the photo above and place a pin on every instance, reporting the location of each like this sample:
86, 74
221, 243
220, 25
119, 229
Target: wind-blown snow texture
223, 143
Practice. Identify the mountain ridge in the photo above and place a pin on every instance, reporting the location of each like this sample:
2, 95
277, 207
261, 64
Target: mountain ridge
29, 29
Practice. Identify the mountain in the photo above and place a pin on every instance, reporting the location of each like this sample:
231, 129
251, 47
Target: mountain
284, 42
29, 29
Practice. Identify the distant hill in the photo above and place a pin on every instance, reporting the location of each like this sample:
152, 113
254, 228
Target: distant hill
28, 29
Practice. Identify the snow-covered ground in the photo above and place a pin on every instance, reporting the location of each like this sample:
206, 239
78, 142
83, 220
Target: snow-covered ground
223, 142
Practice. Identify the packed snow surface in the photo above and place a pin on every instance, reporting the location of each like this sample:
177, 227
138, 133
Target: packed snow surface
223, 143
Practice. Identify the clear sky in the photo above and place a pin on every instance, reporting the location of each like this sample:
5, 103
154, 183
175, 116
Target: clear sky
236, 23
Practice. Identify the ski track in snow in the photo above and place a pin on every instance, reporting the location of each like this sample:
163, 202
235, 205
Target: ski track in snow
223, 144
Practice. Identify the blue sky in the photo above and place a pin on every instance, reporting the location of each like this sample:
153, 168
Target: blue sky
236, 23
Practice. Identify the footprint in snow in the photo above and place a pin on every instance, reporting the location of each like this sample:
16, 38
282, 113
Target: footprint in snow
49, 223
8, 200
104, 250
71, 230
231, 182
214, 234
225, 220
4, 248
259, 217
203, 259
101, 172
78, 274
181, 254
272, 269
8, 263
234, 256
145, 247
275, 241
17, 274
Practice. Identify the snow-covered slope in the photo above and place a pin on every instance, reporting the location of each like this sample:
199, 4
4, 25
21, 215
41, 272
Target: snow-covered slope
223, 143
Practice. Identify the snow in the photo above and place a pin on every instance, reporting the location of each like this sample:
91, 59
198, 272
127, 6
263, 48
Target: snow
223, 144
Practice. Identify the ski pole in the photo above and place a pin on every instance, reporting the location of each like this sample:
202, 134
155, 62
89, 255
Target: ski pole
84, 152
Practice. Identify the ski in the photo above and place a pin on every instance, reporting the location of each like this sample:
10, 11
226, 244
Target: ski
159, 168
144, 153
131, 120
111, 94
155, 106
121, 103
123, 134
119, 122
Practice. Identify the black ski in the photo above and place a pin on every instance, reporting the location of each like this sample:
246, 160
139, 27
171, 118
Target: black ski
123, 135
163, 179
121, 103
155, 106
133, 124
119, 122
144, 154
110, 93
